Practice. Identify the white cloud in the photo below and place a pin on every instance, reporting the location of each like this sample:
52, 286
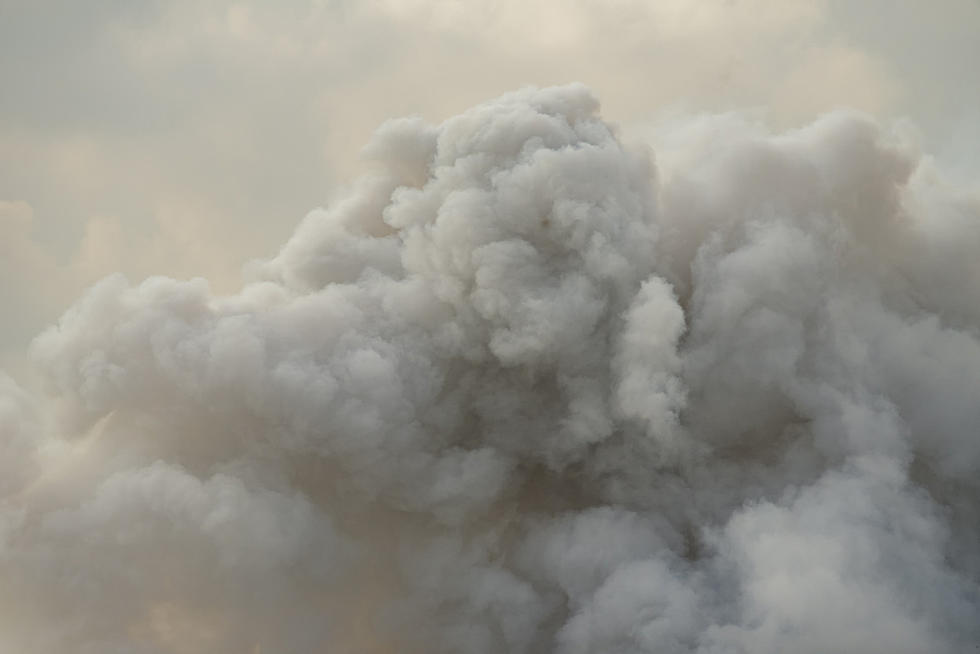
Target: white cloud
523, 385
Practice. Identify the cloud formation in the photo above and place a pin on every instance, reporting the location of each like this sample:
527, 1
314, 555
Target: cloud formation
521, 390
165, 129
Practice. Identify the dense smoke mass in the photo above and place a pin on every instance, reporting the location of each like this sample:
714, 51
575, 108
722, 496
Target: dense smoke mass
528, 388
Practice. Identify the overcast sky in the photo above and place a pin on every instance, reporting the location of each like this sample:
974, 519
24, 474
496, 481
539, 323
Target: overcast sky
186, 137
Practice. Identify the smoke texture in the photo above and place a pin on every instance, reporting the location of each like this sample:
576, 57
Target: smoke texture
526, 388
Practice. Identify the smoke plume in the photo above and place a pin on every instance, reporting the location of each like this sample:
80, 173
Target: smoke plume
522, 389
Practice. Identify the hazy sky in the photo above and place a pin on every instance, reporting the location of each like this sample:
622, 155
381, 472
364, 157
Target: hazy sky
186, 137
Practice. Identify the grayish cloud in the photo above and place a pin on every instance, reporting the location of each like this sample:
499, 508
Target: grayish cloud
524, 383
521, 390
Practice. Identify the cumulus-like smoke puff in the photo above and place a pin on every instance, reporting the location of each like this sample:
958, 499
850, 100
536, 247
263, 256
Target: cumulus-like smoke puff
522, 391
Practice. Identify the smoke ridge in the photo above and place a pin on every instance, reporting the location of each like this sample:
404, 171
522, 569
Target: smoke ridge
524, 390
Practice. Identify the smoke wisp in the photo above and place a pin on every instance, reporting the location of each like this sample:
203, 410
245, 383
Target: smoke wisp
524, 390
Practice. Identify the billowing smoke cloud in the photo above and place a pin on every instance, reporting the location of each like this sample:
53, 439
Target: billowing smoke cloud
521, 390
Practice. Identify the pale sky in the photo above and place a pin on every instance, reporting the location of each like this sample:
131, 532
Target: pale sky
184, 138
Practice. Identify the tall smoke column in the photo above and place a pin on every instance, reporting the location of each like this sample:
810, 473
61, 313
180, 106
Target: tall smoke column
522, 391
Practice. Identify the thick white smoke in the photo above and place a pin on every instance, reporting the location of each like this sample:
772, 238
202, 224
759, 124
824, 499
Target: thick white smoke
523, 391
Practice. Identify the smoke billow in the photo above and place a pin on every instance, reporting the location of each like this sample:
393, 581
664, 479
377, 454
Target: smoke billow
521, 390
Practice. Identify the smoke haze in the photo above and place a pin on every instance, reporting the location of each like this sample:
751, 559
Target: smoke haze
528, 386
182, 138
